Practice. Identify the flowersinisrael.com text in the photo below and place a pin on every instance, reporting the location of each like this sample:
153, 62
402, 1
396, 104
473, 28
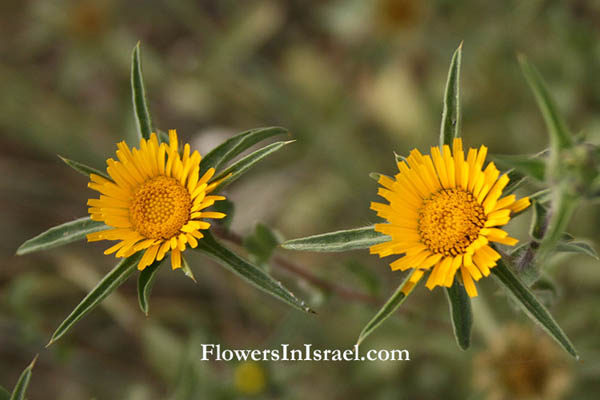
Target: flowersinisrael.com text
214, 352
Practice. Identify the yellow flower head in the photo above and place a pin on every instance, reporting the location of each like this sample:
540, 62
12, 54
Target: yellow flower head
154, 202
443, 211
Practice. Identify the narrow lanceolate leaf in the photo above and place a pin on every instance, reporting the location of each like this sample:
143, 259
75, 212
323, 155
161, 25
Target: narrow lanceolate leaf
351, 239
450, 128
106, 286
577, 247
84, 169
234, 146
146, 280
247, 271
20, 388
560, 138
527, 165
242, 166
138, 94
61, 235
395, 301
532, 306
461, 314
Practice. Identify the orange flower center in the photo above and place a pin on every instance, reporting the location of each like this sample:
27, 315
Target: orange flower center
450, 220
160, 207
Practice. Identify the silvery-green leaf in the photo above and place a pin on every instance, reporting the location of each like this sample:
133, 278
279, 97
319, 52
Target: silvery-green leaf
390, 306
20, 388
243, 165
577, 247
527, 165
138, 95
146, 280
247, 271
560, 138
106, 286
234, 146
450, 128
460, 313
84, 169
350, 239
61, 235
532, 306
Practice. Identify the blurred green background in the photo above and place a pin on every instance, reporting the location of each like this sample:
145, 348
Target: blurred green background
353, 81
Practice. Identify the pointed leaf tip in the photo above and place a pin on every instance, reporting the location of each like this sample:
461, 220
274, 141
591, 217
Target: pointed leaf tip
249, 272
532, 307
450, 126
138, 95
391, 305
344, 240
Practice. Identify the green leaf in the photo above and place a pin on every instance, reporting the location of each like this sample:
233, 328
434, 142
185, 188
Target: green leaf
261, 243
4, 395
532, 306
516, 179
539, 222
461, 313
234, 146
20, 388
61, 235
242, 166
228, 208
138, 95
106, 286
84, 169
529, 166
247, 271
450, 128
560, 137
577, 247
350, 239
395, 301
146, 280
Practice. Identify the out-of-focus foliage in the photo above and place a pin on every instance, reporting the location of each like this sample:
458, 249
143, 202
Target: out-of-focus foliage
352, 80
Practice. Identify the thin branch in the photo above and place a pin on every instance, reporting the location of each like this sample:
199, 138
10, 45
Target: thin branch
294, 269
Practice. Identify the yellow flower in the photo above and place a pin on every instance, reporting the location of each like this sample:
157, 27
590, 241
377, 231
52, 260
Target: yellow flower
443, 211
250, 378
154, 202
